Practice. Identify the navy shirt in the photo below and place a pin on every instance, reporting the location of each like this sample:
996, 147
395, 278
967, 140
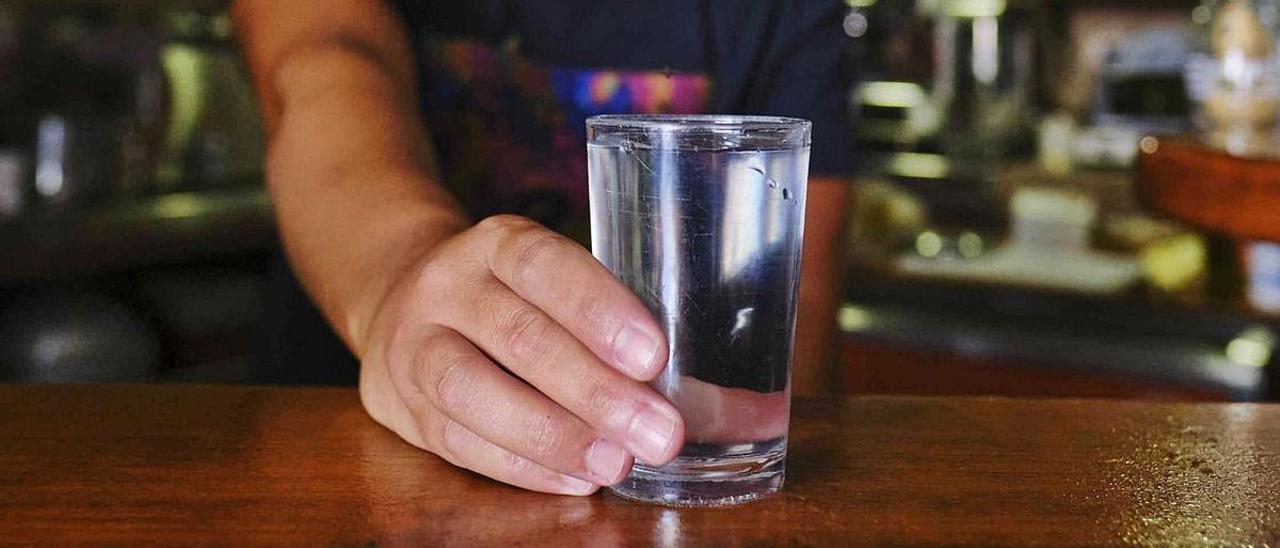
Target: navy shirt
506, 86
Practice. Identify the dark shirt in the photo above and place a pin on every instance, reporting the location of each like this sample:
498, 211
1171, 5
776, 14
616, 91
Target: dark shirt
507, 85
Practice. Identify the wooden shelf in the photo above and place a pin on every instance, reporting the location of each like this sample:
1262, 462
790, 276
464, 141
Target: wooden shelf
171, 228
1210, 189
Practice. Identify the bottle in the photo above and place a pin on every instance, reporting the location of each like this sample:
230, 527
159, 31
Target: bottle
1235, 77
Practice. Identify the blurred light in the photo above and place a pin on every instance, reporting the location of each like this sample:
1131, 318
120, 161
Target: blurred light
860, 3
1149, 144
855, 24
220, 26
973, 8
928, 244
54, 346
1201, 15
51, 143
1263, 273
178, 206
986, 49
852, 318
1247, 352
1235, 66
1252, 348
186, 69
1174, 263
969, 245
918, 165
892, 94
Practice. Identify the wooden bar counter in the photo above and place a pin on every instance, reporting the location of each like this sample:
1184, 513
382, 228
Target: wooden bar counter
231, 465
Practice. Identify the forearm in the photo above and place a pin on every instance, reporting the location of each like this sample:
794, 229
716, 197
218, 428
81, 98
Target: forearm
347, 171
348, 167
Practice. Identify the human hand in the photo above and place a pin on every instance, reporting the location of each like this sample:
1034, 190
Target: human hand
510, 351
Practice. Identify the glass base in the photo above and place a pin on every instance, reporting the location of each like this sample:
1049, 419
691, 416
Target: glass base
700, 481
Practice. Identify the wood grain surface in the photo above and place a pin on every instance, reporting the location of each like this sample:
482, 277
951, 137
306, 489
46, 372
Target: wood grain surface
229, 465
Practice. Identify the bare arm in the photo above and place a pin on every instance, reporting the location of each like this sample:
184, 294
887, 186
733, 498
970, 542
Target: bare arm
470, 344
501, 347
348, 163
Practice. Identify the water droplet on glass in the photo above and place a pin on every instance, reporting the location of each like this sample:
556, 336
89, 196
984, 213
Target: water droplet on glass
786, 194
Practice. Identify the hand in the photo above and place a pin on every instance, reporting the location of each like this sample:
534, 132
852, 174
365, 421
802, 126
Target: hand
509, 350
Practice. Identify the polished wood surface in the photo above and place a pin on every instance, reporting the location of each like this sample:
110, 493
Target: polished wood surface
176, 464
1211, 189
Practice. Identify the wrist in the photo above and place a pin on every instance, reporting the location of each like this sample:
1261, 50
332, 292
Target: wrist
410, 237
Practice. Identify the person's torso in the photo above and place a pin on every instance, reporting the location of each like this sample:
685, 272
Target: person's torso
507, 105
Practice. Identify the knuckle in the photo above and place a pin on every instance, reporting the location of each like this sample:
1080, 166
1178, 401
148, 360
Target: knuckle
502, 223
531, 252
453, 373
527, 335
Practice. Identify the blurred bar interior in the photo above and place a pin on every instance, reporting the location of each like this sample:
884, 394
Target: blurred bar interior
1058, 197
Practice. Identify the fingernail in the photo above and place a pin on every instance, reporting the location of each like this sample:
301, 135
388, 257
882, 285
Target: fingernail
605, 462
635, 350
651, 433
575, 486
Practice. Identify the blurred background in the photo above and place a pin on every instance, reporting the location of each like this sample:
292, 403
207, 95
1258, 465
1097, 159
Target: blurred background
1057, 197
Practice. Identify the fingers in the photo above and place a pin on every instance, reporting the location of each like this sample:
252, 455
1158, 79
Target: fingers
512, 293
537, 349
450, 377
558, 276
464, 448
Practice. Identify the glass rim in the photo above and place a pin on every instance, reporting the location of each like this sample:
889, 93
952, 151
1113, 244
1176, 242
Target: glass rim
680, 122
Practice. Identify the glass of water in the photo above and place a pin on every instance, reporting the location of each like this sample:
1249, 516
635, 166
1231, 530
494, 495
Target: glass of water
703, 218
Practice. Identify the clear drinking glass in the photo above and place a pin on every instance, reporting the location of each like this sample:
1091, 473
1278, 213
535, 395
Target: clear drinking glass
703, 218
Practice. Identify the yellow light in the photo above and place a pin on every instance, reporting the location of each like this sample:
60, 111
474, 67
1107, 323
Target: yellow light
973, 8
1149, 144
1251, 348
918, 165
1172, 264
969, 245
185, 67
178, 206
892, 94
853, 318
860, 3
928, 244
